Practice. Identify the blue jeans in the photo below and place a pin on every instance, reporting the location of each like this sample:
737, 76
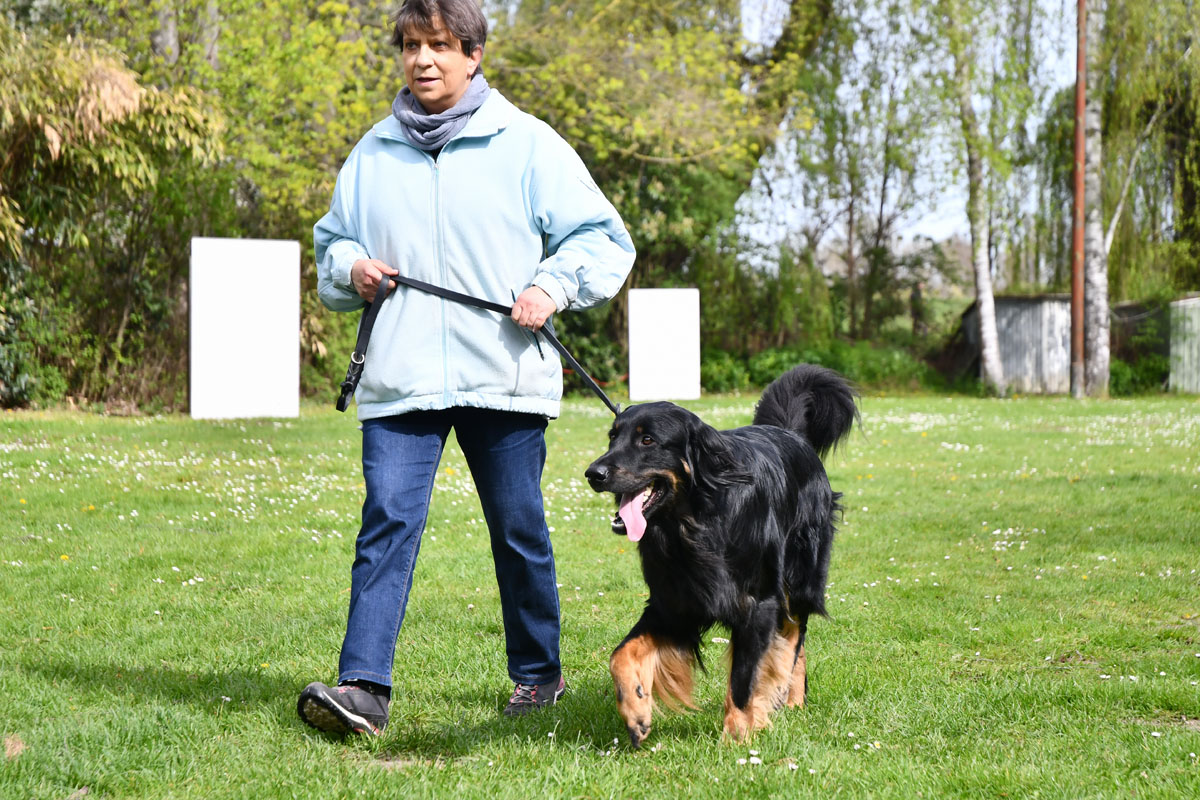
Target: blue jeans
505, 452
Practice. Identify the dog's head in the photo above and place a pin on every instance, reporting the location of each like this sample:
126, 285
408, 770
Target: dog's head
659, 456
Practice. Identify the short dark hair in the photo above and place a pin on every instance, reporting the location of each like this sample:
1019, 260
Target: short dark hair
463, 18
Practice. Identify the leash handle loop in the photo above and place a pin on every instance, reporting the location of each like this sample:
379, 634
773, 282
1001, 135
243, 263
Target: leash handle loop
359, 356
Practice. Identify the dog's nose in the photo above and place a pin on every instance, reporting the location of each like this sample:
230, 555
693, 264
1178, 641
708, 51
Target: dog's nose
597, 474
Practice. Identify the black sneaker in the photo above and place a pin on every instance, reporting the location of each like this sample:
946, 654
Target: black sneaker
343, 709
528, 697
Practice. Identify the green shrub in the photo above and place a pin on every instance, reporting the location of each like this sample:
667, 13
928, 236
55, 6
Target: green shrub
722, 372
884, 366
768, 365
49, 385
1148, 374
861, 362
1120, 378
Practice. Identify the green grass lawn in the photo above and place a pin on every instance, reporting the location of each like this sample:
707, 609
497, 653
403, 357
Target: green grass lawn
1014, 612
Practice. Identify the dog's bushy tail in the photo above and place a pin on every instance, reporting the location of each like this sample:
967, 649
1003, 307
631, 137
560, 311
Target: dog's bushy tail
813, 401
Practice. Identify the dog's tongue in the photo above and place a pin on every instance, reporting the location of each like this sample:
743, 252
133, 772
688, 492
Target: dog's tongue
631, 514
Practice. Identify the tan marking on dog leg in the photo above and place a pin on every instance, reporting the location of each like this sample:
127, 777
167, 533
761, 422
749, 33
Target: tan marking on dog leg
673, 676
632, 667
796, 666
643, 668
796, 688
798, 691
772, 680
771, 689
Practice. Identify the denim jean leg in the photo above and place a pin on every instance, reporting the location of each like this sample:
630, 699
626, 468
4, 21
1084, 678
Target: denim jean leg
506, 453
400, 460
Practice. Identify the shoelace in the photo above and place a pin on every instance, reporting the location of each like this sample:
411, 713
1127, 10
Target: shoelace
523, 693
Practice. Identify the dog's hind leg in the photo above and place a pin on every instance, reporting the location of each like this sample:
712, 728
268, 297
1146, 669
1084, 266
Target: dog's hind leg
798, 690
645, 665
772, 682
753, 673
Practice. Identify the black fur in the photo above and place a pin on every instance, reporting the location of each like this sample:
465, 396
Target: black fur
741, 524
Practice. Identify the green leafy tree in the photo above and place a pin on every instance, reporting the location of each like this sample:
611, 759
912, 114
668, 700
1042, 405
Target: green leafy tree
299, 84
669, 106
667, 103
1147, 73
91, 158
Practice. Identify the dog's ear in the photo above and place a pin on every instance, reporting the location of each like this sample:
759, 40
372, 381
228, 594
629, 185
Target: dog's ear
708, 460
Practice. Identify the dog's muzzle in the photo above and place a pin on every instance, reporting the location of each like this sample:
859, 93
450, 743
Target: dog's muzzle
598, 475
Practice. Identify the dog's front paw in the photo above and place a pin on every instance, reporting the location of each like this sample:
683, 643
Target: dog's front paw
738, 729
638, 731
632, 668
636, 709
739, 723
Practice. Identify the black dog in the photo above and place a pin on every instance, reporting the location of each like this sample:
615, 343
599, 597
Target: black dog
734, 527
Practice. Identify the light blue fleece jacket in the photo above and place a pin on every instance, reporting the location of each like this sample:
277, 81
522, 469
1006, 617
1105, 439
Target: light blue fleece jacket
506, 205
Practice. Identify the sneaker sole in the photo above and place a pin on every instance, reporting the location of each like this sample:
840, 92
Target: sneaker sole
320, 711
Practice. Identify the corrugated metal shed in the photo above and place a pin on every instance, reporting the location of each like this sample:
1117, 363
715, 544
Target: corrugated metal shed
1185, 345
1035, 341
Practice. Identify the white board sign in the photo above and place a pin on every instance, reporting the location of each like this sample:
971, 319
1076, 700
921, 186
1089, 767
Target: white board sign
244, 328
664, 344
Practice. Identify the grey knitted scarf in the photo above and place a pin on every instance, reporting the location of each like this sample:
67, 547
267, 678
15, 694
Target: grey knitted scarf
432, 131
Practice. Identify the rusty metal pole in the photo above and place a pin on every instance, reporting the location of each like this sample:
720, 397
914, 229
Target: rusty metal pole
1077, 220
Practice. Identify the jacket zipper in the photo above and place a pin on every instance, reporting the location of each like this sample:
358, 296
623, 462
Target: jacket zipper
439, 249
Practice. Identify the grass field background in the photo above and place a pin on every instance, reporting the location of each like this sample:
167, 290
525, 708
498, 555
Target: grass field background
1014, 598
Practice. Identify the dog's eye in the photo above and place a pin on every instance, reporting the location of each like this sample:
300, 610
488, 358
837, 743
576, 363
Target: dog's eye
646, 440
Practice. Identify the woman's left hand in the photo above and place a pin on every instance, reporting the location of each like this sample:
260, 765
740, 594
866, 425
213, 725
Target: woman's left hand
533, 308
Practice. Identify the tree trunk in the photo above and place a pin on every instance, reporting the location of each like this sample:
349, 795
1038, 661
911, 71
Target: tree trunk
851, 269
1095, 259
991, 370
210, 26
164, 40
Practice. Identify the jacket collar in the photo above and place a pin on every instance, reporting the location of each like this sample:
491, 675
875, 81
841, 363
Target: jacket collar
492, 117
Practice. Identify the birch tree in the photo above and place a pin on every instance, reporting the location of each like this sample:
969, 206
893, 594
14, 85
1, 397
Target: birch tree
164, 38
960, 28
1095, 253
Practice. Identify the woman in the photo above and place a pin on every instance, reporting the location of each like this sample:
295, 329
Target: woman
460, 189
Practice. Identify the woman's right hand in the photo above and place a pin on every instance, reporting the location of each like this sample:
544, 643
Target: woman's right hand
366, 273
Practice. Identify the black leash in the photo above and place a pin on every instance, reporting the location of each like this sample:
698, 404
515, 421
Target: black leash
354, 372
